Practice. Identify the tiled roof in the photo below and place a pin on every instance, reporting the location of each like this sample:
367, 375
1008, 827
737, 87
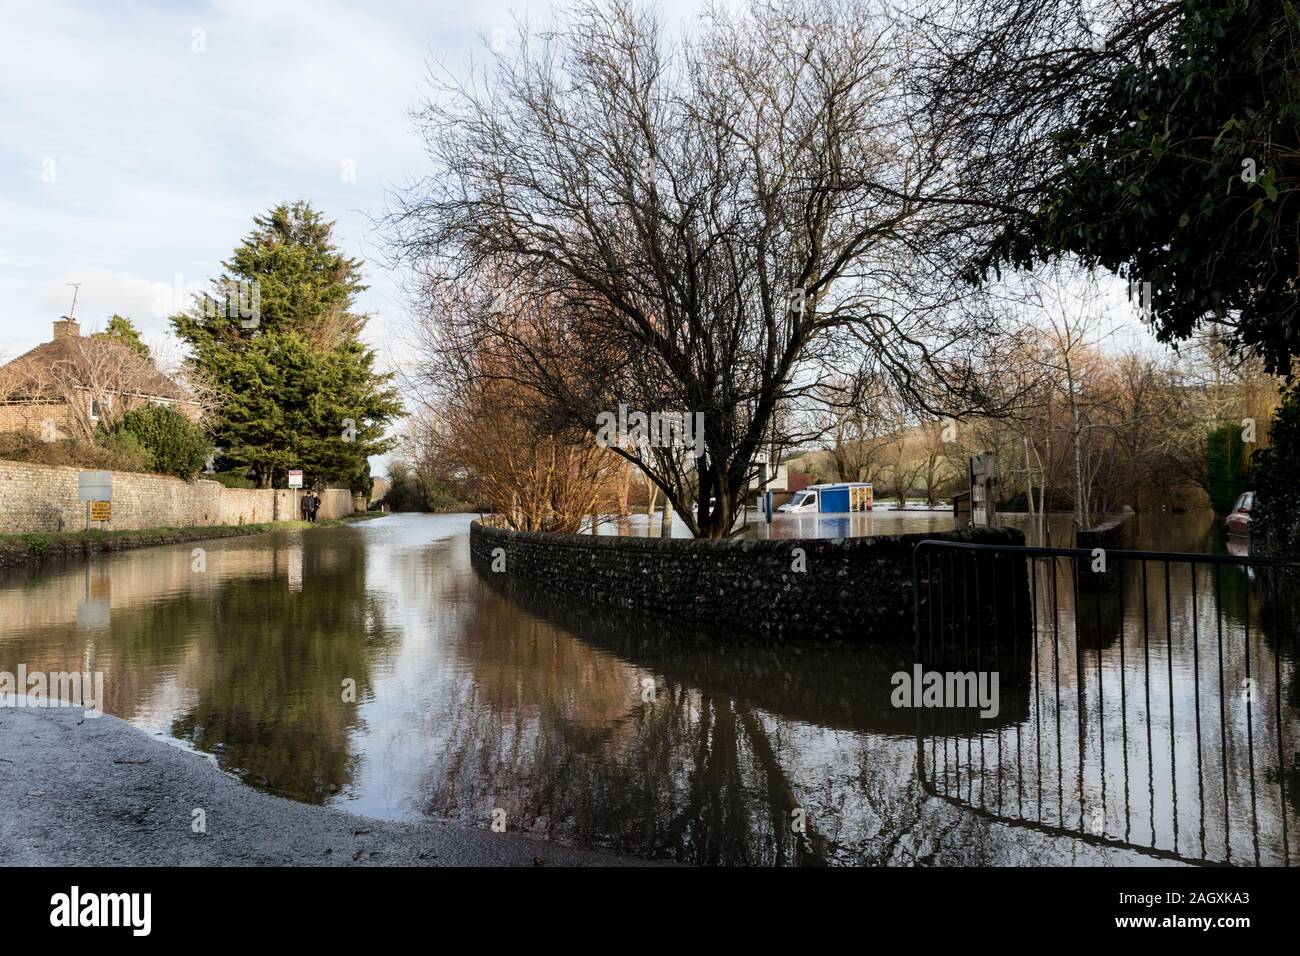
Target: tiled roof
69, 352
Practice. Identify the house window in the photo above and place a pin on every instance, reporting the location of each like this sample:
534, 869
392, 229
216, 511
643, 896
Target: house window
97, 409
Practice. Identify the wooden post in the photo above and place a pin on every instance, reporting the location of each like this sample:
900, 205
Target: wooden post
666, 528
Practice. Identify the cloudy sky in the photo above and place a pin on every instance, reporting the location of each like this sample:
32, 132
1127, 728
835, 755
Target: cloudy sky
137, 140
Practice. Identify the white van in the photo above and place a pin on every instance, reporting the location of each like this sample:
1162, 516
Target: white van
803, 501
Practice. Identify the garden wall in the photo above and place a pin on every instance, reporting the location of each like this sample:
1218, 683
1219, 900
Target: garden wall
852, 588
37, 498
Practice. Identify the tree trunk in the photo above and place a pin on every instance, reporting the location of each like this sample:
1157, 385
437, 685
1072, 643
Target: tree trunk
1076, 436
1029, 489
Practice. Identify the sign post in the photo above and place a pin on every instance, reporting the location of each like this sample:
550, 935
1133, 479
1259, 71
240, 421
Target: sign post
983, 490
95, 489
295, 482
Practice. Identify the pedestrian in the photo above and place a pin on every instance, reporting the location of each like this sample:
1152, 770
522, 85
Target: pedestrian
315, 506
305, 506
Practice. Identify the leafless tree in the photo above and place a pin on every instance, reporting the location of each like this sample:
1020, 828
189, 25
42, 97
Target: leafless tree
935, 447
861, 420
91, 382
536, 481
721, 223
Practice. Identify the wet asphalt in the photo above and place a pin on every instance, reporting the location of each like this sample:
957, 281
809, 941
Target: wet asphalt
78, 791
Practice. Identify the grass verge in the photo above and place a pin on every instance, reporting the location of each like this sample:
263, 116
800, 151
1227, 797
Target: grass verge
16, 549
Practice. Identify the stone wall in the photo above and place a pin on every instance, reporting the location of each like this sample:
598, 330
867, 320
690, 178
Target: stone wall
44, 498
852, 588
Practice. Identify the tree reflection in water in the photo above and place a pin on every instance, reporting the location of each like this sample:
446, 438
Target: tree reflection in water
289, 730
473, 699
244, 660
742, 733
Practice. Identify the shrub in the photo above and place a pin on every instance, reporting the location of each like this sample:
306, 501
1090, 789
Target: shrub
179, 447
233, 479
122, 454
404, 492
1275, 518
122, 451
38, 543
1226, 467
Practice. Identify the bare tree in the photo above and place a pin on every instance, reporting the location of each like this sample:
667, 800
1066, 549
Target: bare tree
902, 468
935, 448
536, 481
1064, 307
88, 385
861, 420
724, 221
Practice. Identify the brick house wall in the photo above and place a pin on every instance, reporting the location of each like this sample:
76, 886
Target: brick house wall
33, 398
31, 417
28, 417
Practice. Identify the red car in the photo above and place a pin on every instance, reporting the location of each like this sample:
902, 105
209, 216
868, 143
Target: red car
1238, 521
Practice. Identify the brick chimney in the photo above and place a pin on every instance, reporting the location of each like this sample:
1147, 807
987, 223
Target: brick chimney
66, 328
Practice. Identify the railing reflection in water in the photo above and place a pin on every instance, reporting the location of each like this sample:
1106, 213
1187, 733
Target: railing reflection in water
1148, 699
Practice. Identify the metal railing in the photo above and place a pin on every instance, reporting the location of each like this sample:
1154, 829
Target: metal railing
1148, 700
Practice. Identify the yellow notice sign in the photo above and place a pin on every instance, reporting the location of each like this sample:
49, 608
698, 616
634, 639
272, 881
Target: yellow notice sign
101, 511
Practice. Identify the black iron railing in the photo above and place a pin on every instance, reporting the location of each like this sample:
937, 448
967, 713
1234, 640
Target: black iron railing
1147, 701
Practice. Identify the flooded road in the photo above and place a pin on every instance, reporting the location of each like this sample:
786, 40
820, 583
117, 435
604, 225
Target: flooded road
599, 728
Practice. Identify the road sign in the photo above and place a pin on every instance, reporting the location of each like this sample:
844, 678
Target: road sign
101, 511
295, 477
95, 486
983, 490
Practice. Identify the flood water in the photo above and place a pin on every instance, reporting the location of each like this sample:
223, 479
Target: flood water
602, 728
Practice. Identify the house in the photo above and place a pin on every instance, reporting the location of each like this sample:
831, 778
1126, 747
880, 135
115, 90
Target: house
66, 387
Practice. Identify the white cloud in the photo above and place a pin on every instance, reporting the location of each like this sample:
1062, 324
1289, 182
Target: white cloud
133, 148
128, 157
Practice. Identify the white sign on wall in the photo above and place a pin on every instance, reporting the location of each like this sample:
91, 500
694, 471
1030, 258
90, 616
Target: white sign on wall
295, 477
95, 486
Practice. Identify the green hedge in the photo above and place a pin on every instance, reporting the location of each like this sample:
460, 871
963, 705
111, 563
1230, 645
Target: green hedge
232, 479
177, 445
1275, 518
1227, 467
